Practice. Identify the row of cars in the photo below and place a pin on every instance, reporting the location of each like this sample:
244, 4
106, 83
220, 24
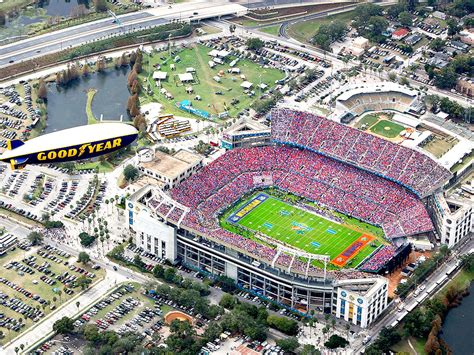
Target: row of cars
17, 305
94, 310
67, 191
140, 321
14, 183
22, 290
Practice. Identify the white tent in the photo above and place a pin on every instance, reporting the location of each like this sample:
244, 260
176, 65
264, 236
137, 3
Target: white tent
246, 85
159, 75
214, 53
185, 77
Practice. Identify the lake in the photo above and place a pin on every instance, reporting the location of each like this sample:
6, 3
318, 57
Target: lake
67, 105
458, 329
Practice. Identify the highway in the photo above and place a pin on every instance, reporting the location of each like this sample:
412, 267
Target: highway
93, 31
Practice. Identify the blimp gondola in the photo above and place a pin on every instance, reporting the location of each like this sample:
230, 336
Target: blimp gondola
78, 143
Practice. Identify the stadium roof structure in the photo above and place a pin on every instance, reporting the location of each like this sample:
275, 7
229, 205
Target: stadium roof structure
298, 253
410, 168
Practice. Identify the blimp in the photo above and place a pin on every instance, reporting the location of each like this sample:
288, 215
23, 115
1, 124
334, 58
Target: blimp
78, 143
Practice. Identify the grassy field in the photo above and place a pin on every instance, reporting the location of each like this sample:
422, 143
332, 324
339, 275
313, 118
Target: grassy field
197, 57
367, 121
387, 129
439, 146
305, 30
271, 30
303, 230
40, 288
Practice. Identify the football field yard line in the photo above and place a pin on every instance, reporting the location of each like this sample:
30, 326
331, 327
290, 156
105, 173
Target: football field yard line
267, 219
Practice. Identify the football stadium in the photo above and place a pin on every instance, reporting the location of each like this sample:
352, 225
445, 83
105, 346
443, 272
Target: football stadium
275, 217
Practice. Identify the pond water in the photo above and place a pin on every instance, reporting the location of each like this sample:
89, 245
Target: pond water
458, 329
67, 105
41, 9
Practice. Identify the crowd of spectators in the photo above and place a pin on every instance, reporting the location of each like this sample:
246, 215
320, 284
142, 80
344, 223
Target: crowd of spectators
328, 182
411, 168
379, 259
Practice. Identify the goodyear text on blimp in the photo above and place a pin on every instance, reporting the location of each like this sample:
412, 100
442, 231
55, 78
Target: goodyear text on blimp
87, 148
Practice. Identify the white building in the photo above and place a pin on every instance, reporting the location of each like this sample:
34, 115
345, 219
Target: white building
361, 301
453, 213
171, 169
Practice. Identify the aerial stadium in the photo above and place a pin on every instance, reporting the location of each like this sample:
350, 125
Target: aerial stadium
278, 218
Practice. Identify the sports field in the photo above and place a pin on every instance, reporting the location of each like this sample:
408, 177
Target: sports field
303, 230
387, 129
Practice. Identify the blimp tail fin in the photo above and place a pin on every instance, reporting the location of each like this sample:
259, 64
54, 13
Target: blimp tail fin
18, 163
14, 143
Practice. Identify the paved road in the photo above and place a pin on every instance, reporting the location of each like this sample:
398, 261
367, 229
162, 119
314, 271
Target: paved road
89, 32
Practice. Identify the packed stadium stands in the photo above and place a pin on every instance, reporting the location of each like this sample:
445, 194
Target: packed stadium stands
326, 181
412, 169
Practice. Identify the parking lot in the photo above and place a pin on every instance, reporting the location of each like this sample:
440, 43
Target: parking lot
34, 281
31, 193
18, 112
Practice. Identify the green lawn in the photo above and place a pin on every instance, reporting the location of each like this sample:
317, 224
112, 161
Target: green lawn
367, 121
197, 57
305, 30
302, 229
271, 30
40, 288
387, 129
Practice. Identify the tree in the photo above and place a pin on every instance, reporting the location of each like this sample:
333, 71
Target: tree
83, 257
86, 239
283, 324
395, 10
335, 341
42, 90
254, 44
437, 44
86, 70
100, 5
288, 344
392, 76
405, 18
158, 271
83, 282
453, 26
228, 301
3, 18
446, 78
35, 238
64, 325
91, 333
309, 349
139, 122
130, 172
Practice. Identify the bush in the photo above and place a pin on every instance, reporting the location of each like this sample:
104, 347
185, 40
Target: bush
283, 324
86, 239
336, 341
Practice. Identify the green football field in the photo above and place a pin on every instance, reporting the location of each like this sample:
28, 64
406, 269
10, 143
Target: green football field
303, 230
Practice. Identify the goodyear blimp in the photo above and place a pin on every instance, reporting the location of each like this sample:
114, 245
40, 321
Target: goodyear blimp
83, 142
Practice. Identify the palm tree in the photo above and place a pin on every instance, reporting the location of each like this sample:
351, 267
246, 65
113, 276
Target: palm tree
59, 294
22, 346
54, 299
17, 349
107, 205
78, 304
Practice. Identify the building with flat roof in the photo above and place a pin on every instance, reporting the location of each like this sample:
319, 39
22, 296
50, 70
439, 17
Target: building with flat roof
171, 169
453, 212
245, 133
